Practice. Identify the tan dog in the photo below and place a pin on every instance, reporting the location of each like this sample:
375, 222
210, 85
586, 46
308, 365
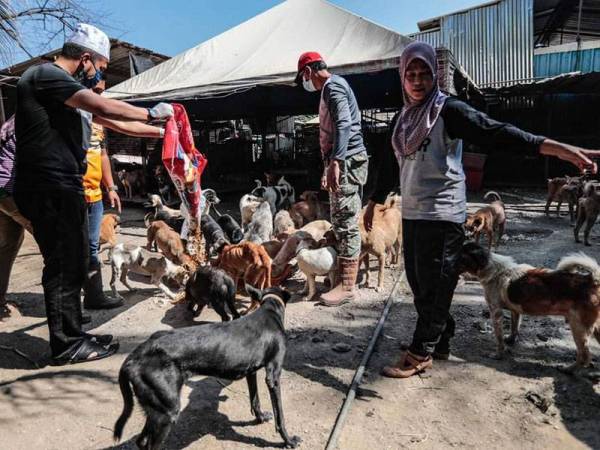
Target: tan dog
563, 189
132, 182
385, 236
283, 225
108, 229
167, 240
249, 262
488, 220
310, 208
588, 209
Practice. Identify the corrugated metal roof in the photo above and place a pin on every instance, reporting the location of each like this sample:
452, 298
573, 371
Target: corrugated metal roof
493, 42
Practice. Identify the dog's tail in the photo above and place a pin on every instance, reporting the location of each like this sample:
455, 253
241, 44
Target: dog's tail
258, 183
492, 196
580, 262
127, 394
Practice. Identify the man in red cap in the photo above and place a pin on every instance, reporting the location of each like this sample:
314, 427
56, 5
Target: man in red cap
346, 162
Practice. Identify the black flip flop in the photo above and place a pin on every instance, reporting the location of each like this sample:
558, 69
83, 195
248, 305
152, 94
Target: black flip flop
80, 352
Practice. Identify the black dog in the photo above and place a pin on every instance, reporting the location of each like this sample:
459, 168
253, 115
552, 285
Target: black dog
231, 228
209, 285
159, 367
213, 234
281, 196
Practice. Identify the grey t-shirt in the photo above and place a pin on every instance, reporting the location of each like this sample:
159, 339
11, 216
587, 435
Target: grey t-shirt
432, 180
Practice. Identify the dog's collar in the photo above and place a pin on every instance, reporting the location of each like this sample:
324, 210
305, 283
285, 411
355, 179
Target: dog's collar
276, 298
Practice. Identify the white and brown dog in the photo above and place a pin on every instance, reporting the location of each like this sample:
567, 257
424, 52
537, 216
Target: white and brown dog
572, 290
125, 258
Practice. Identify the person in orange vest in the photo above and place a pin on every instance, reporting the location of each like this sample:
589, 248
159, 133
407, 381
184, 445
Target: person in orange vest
99, 173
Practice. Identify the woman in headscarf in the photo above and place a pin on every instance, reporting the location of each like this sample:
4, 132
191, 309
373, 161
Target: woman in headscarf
427, 139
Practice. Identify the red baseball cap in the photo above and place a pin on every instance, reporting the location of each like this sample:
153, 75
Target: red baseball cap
305, 59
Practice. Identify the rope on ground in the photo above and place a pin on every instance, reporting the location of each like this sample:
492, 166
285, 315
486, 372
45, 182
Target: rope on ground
341, 418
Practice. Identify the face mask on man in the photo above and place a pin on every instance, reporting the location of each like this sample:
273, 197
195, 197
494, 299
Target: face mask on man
81, 76
308, 85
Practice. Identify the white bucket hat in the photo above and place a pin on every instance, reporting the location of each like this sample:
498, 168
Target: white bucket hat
92, 38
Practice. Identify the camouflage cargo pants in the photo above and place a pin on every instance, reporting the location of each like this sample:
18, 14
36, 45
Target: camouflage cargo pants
346, 203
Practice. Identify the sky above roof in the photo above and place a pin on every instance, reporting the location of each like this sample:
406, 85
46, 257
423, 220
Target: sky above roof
171, 27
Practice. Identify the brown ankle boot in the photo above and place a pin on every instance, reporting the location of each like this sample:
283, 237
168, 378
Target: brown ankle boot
345, 289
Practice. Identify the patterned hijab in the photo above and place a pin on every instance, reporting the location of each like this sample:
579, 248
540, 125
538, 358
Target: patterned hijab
417, 119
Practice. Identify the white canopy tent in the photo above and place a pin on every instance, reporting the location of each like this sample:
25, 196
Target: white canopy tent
264, 50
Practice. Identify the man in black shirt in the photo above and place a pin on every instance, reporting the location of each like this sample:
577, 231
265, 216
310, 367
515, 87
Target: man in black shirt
52, 139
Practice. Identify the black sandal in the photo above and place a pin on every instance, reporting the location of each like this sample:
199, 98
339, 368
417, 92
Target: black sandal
103, 339
84, 351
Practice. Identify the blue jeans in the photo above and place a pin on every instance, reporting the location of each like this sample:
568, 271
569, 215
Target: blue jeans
95, 212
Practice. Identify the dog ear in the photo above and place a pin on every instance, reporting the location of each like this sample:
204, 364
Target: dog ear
255, 294
285, 296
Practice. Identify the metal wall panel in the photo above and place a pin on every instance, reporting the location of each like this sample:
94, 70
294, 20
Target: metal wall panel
493, 43
552, 64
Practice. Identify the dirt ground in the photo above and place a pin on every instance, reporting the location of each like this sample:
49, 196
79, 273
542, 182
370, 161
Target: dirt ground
471, 401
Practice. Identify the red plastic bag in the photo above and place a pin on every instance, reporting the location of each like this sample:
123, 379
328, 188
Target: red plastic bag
182, 160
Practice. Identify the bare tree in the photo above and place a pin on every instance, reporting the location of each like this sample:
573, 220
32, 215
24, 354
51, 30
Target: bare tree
32, 25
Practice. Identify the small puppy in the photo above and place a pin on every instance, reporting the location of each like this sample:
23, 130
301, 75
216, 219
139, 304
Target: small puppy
260, 228
248, 206
315, 261
283, 225
212, 233
231, 228
165, 239
209, 285
108, 229
124, 258
310, 208
572, 291
247, 261
158, 368
588, 208
385, 236
489, 219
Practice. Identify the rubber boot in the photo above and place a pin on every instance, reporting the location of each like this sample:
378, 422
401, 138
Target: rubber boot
345, 291
94, 295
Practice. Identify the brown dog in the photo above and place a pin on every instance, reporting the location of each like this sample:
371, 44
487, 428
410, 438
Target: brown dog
563, 189
488, 220
108, 229
386, 235
310, 208
572, 290
167, 240
133, 182
249, 262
